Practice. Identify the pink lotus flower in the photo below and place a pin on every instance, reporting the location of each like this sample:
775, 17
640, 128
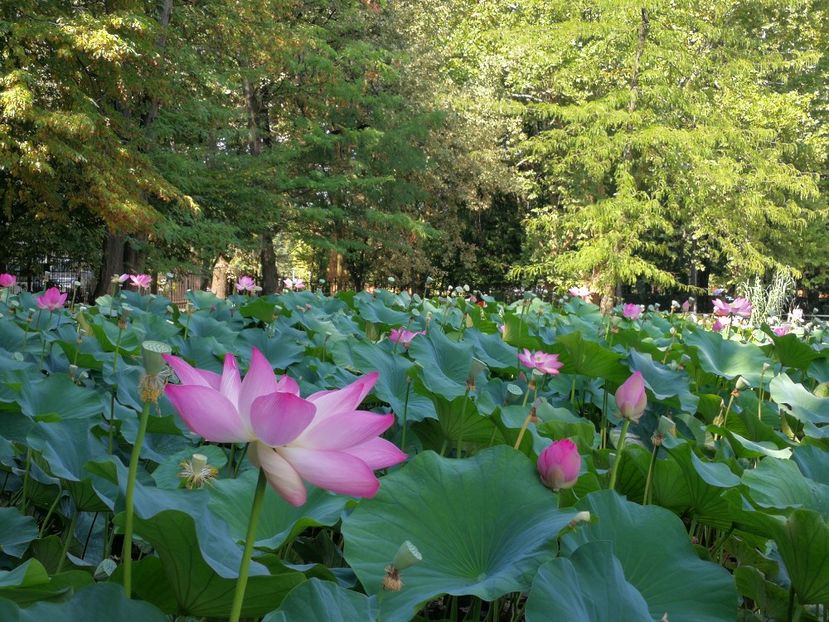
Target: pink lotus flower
403, 336
7, 280
245, 284
559, 465
579, 292
323, 439
141, 281
781, 330
631, 311
51, 299
740, 306
717, 326
686, 306
631, 397
543, 362
124, 278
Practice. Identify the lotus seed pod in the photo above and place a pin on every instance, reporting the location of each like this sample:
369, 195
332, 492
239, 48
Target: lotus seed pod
407, 555
152, 353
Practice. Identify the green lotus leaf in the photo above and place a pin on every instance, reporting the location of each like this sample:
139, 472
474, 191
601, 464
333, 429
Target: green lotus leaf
590, 586
453, 512
657, 558
323, 600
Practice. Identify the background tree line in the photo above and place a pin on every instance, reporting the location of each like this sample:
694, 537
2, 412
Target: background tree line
527, 141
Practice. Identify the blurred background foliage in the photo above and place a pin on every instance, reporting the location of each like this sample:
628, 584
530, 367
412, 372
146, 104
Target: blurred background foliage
613, 143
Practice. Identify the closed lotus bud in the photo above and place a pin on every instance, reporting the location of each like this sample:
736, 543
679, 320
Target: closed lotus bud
631, 397
559, 465
742, 383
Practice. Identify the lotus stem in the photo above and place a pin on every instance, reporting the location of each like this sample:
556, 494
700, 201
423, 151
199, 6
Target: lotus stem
52, 507
649, 479
67, 541
615, 470
25, 491
250, 538
405, 415
463, 414
126, 552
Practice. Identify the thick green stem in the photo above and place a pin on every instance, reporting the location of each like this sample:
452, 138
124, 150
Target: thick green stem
615, 470
126, 553
250, 538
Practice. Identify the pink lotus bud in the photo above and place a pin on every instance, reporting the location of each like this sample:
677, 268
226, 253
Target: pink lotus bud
631, 397
559, 465
7, 280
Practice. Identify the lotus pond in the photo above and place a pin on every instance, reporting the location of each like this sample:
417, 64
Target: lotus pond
709, 503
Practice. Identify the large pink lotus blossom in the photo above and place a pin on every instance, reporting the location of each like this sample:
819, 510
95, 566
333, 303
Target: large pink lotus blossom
579, 292
245, 284
543, 362
296, 283
141, 281
7, 280
323, 439
740, 306
403, 336
51, 299
631, 311
631, 397
559, 465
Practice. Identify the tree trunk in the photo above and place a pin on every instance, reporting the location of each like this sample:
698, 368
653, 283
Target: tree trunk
267, 258
219, 284
112, 262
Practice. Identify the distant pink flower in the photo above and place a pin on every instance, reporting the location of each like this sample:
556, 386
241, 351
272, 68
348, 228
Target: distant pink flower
543, 362
294, 283
245, 284
559, 465
501, 328
141, 281
717, 326
631, 311
631, 397
579, 292
124, 278
781, 330
51, 299
323, 438
686, 306
7, 280
403, 336
740, 306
